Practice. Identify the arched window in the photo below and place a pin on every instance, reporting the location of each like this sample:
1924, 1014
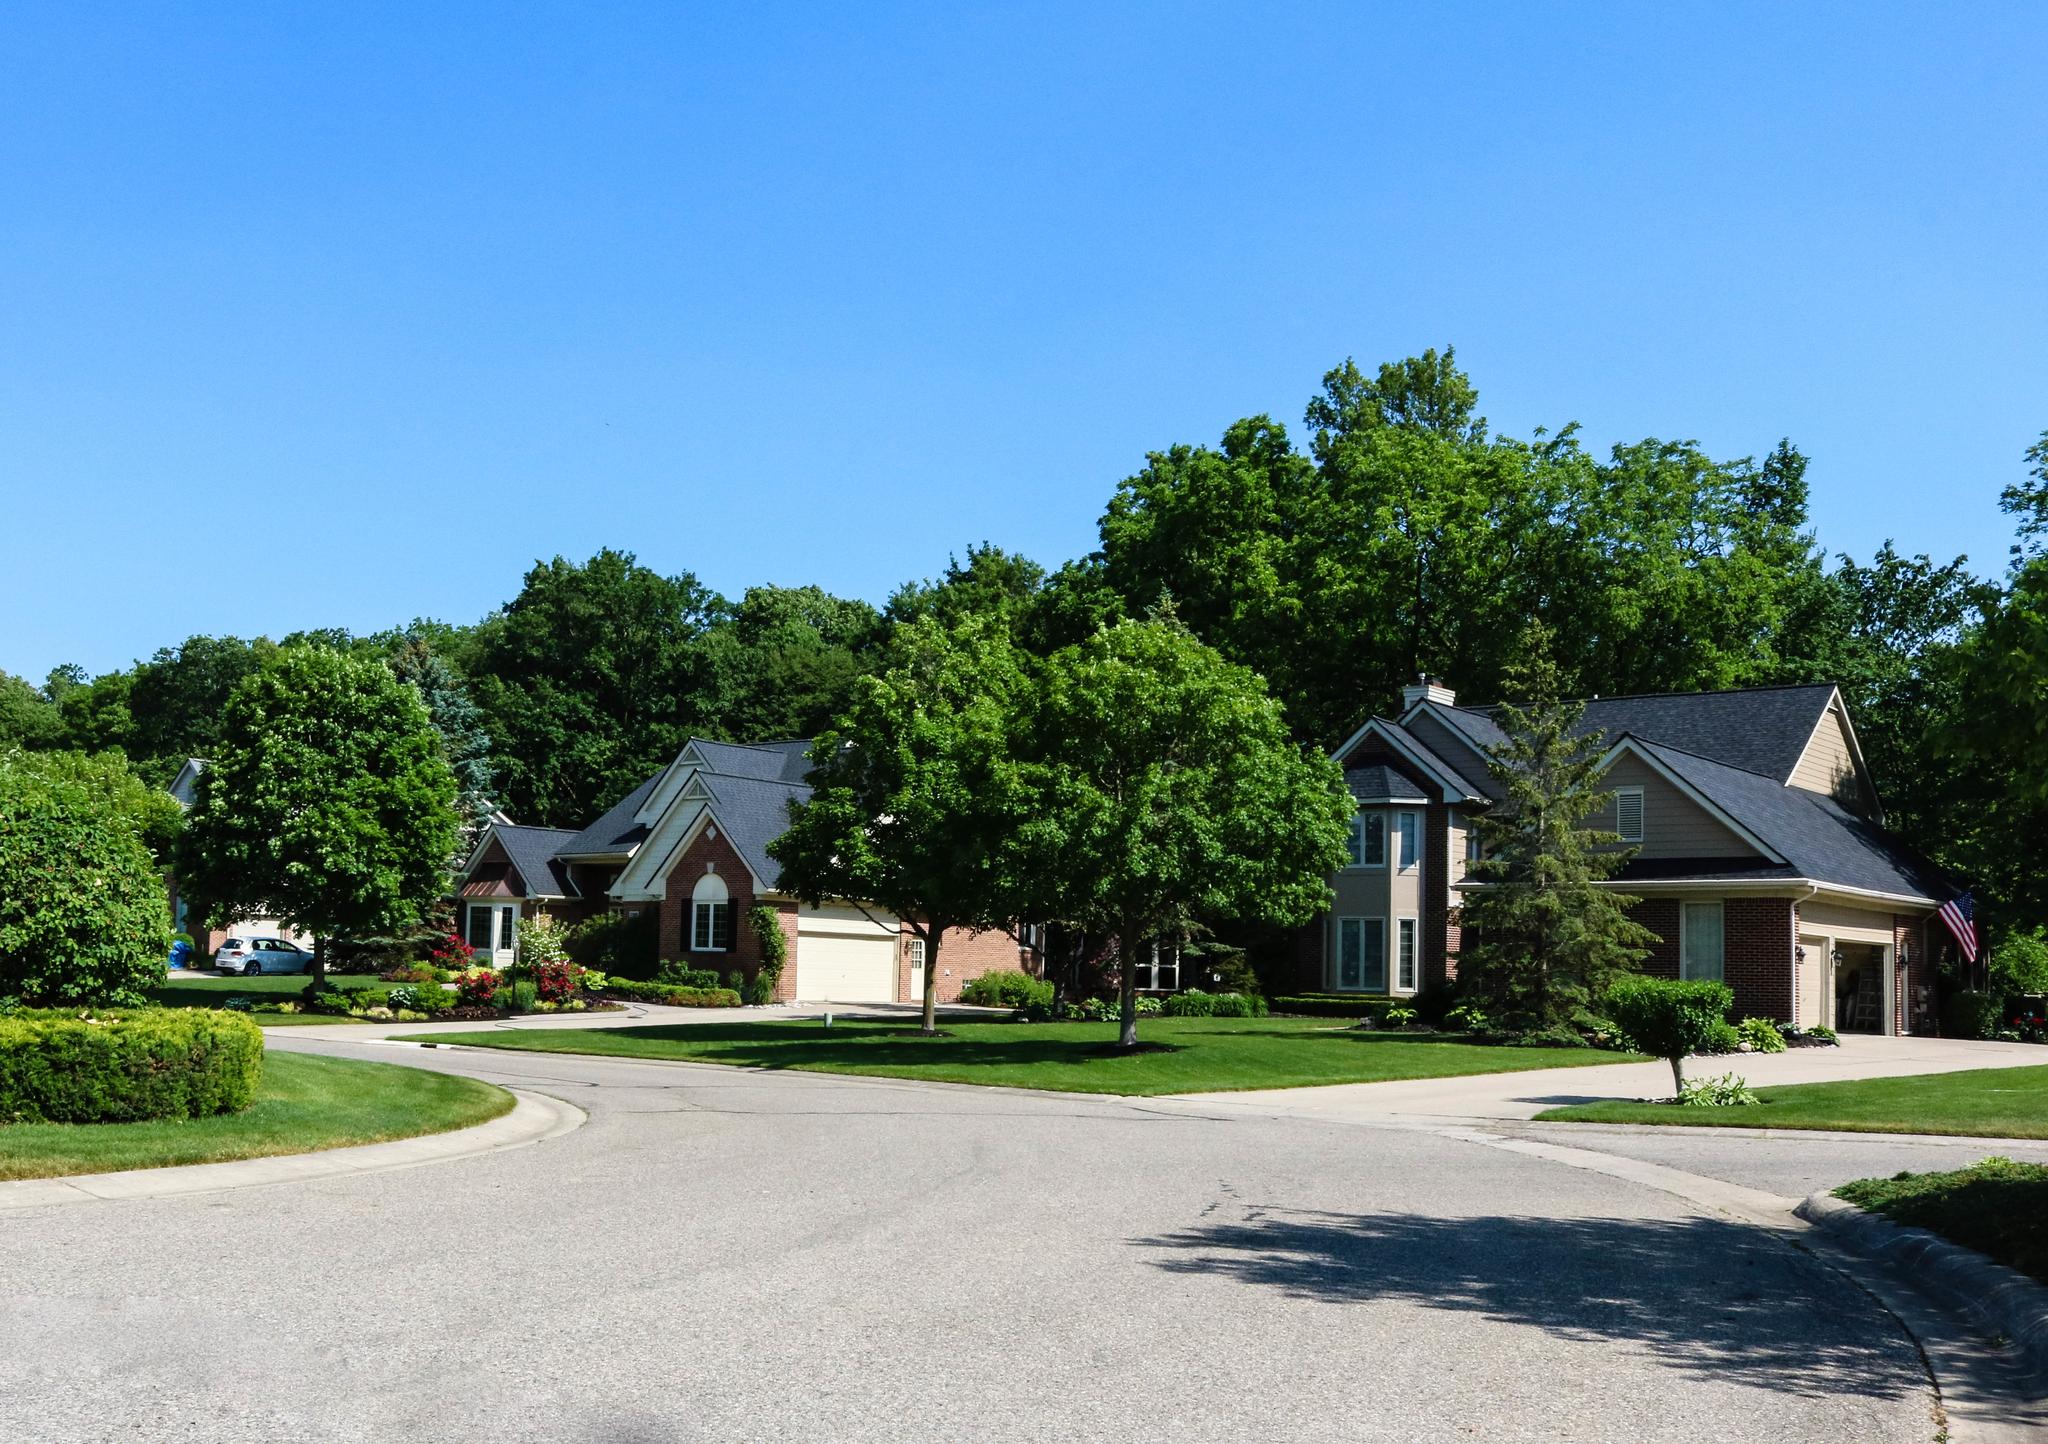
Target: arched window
711, 915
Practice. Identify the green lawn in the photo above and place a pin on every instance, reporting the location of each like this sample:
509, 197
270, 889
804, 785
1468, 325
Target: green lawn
186, 990
1202, 1054
303, 1105
1983, 1103
1998, 1207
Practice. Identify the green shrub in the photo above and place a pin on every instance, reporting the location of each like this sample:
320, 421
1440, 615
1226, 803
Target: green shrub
83, 918
672, 997
1669, 1018
622, 944
124, 1066
1005, 988
1194, 1003
1726, 1091
1761, 1034
682, 975
1971, 1014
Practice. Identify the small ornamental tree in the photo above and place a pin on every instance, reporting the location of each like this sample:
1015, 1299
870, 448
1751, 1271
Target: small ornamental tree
1164, 790
1546, 938
329, 803
916, 798
1667, 1018
84, 919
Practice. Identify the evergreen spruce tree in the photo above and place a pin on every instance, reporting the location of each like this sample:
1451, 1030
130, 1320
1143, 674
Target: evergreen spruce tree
1545, 939
460, 723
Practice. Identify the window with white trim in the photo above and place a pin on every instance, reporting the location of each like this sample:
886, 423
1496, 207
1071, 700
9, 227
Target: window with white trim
710, 916
1361, 955
1367, 844
1409, 824
1701, 941
1628, 813
1405, 957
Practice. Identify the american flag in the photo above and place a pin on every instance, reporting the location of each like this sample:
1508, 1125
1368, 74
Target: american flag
1960, 914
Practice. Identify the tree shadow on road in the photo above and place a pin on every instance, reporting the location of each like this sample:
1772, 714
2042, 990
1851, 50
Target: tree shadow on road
1696, 1294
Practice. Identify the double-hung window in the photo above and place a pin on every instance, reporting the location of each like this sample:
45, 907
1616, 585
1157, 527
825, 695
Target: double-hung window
1367, 845
1700, 941
1409, 824
1362, 955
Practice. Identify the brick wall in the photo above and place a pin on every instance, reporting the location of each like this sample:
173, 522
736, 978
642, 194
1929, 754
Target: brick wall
1757, 938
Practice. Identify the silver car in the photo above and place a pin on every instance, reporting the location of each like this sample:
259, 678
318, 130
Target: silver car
250, 957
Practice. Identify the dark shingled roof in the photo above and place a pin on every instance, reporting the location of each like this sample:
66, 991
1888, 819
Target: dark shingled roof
1817, 836
616, 831
532, 850
1759, 729
1376, 783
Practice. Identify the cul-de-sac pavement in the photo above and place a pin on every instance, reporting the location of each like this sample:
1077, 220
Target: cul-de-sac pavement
727, 1254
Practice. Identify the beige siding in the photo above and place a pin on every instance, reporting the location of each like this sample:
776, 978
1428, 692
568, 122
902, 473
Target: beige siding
1829, 764
1673, 824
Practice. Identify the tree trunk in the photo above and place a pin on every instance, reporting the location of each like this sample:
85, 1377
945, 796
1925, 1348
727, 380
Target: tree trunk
1678, 1076
1127, 990
931, 978
319, 962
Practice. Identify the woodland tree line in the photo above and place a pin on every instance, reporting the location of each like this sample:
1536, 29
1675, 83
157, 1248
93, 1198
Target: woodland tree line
1396, 534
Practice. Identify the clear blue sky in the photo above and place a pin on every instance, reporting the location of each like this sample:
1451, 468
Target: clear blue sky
341, 314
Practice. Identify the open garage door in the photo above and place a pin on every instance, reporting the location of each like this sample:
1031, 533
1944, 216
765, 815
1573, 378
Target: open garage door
842, 957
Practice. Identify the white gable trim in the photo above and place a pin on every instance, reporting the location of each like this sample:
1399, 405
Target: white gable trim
1453, 790
1714, 810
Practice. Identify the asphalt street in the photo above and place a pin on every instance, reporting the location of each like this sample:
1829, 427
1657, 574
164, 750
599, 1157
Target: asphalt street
725, 1255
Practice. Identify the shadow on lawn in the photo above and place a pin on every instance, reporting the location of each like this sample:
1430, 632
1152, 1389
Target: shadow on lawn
1698, 1294
777, 1045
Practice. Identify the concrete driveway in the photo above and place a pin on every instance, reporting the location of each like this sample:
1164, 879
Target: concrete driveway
727, 1255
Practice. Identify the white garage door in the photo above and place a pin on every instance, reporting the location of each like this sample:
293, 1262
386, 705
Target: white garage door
841, 957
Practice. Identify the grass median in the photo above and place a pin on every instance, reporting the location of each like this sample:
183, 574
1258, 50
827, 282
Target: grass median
1998, 1207
303, 1105
1979, 1103
1181, 1055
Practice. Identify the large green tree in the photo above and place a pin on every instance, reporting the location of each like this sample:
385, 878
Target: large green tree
1164, 790
917, 799
329, 803
1544, 938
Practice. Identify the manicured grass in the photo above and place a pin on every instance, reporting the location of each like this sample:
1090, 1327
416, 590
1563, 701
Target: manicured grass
203, 990
1999, 1208
303, 1105
1200, 1054
1983, 1103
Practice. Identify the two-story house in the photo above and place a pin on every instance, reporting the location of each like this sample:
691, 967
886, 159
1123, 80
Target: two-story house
1761, 856
691, 844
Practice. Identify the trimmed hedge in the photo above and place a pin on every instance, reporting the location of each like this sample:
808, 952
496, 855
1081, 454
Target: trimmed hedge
671, 996
122, 1067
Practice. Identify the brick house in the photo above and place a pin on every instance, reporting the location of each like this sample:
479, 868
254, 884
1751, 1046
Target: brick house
690, 844
1762, 857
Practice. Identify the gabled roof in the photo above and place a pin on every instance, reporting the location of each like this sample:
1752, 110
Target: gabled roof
616, 833
1379, 783
1758, 729
533, 851
1819, 839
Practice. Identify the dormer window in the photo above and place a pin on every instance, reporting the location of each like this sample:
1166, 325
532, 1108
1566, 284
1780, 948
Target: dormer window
1628, 813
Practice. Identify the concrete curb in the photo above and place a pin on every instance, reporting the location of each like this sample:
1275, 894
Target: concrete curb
535, 1118
2003, 1300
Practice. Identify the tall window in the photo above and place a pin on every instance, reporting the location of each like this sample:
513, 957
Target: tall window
1367, 845
1410, 825
710, 916
1628, 813
1362, 955
1700, 935
1405, 960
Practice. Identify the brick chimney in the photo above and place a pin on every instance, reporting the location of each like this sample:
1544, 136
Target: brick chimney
1427, 689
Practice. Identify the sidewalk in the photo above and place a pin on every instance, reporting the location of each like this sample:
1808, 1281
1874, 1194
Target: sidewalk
1521, 1096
